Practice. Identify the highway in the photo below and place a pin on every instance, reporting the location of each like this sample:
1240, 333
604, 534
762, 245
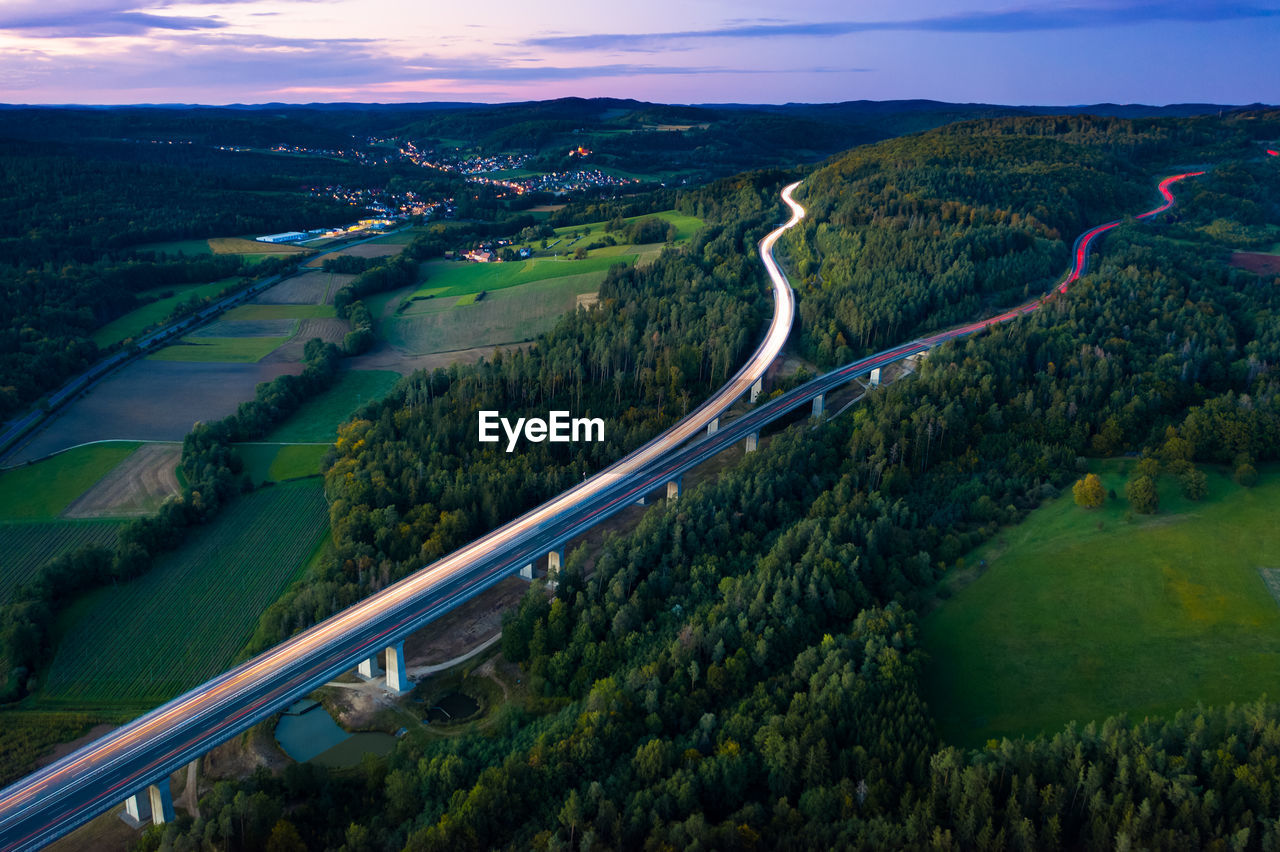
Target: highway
56, 799
65, 794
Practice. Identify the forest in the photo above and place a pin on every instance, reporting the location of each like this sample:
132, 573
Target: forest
741, 670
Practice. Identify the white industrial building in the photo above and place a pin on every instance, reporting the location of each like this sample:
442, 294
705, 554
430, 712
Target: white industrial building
286, 237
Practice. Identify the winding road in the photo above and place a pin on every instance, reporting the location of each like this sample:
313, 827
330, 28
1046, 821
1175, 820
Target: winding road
90, 781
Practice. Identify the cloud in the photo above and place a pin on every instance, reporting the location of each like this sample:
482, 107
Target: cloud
111, 22
1025, 19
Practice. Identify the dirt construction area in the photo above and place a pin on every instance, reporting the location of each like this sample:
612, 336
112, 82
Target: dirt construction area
465, 627
137, 486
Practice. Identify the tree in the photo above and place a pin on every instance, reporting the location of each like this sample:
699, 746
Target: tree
580, 253
1141, 493
1088, 491
1246, 475
1194, 483
285, 838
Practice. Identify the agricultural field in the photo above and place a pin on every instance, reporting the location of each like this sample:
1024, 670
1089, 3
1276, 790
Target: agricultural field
686, 226
306, 288
190, 615
24, 547
1083, 614
281, 462
446, 279
251, 247
318, 419
279, 311
504, 316
136, 321
135, 487
233, 350
44, 489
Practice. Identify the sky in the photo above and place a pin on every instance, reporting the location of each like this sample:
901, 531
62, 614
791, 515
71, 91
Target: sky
672, 51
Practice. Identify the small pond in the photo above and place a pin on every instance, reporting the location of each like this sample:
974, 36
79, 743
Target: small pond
452, 706
307, 732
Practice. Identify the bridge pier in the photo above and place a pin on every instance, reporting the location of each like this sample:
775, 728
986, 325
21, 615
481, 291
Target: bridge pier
752, 441
555, 561
369, 669
819, 404
397, 675
713, 426
673, 488
161, 802
137, 808
757, 388
155, 803
875, 377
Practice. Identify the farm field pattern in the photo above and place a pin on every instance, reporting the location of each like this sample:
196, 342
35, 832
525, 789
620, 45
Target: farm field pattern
145, 640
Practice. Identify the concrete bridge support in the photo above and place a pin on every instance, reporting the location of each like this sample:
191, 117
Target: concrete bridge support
369, 669
713, 426
397, 674
155, 803
757, 388
161, 802
819, 404
673, 488
555, 561
875, 377
752, 441
526, 573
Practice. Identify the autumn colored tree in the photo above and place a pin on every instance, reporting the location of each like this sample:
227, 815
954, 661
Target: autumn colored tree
1088, 491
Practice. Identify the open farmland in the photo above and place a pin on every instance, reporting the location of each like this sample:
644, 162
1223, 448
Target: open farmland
192, 612
318, 418
136, 321
306, 288
233, 350
503, 316
137, 486
152, 400
44, 489
248, 246
447, 278
277, 327
1081, 615
281, 311
24, 547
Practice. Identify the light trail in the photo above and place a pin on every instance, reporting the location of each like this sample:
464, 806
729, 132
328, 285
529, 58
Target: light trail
231, 702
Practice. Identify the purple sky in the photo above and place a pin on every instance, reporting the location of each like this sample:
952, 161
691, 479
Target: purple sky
249, 51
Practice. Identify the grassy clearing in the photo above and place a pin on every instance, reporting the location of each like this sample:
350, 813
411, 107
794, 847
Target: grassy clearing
42, 490
686, 226
232, 350
24, 548
318, 419
505, 316
1082, 615
281, 462
450, 278
136, 321
190, 615
277, 312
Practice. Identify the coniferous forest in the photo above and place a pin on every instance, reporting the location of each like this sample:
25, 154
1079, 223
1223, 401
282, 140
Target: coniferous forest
742, 670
